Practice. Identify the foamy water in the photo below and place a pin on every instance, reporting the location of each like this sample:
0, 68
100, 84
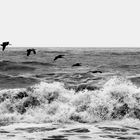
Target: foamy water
47, 100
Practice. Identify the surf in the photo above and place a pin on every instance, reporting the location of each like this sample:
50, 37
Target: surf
46, 102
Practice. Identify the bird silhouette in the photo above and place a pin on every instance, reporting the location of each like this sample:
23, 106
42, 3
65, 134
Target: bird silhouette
4, 44
76, 64
96, 71
30, 50
59, 56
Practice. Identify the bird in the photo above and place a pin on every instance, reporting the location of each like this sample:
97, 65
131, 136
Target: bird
4, 44
76, 64
96, 71
30, 50
59, 56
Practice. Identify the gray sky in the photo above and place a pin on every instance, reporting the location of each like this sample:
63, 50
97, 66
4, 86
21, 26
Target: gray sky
70, 23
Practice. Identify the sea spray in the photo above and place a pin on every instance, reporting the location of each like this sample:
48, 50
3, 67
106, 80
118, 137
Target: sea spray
52, 102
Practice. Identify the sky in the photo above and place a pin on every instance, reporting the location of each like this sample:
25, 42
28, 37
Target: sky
70, 23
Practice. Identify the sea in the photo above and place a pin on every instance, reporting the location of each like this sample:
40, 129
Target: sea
43, 99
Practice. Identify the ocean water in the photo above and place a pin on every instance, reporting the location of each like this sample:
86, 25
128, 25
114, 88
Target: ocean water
42, 99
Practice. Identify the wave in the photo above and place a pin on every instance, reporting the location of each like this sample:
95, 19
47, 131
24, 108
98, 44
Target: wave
37, 63
125, 53
126, 66
8, 81
9, 65
45, 102
56, 52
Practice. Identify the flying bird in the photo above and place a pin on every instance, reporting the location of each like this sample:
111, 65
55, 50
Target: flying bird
30, 50
59, 56
4, 44
96, 71
76, 64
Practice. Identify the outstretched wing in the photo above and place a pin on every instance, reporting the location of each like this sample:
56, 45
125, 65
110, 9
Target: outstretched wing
3, 48
76, 64
34, 51
56, 58
28, 52
4, 44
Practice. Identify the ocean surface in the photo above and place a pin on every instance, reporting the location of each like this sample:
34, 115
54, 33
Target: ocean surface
42, 99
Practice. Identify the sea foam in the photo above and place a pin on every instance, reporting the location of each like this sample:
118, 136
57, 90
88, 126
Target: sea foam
45, 102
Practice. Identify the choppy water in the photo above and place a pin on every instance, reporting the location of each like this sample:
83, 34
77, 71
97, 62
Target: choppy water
43, 99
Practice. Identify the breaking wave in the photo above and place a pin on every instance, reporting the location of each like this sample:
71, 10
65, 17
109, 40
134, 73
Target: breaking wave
53, 102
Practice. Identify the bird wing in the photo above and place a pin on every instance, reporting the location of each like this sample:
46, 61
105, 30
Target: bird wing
76, 64
34, 51
56, 58
3, 48
7, 43
28, 52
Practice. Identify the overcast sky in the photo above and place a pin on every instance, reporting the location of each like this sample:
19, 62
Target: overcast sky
70, 23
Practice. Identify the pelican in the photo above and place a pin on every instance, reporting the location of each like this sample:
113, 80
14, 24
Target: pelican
30, 50
76, 64
96, 71
59, 56
4, 44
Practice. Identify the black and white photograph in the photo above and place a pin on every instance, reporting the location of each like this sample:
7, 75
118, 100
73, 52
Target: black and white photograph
69, 70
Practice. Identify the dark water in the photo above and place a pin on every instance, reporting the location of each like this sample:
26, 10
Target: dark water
18, 70
105, 88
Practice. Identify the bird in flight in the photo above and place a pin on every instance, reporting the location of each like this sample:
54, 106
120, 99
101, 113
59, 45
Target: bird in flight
30, 50
4, 44
76, 64
59, 56
96, 71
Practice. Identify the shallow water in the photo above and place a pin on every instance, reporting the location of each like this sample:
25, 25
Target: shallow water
122, 130
42, 99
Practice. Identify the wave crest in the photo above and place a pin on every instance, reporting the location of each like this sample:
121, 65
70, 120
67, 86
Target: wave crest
52, 102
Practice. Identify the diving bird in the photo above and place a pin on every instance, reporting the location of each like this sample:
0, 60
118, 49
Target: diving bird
30, 50
76, 64
4, 44
59, 56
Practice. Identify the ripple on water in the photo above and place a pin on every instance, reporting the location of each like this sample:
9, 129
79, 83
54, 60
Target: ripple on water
35, 129
85, 137
136, 133
3, 131
77, 130
113, 129
117, 137
56, 137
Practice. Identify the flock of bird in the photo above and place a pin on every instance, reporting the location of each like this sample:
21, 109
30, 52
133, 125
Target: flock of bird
4, 44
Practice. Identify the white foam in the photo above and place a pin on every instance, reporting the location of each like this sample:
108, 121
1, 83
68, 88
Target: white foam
67, 105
